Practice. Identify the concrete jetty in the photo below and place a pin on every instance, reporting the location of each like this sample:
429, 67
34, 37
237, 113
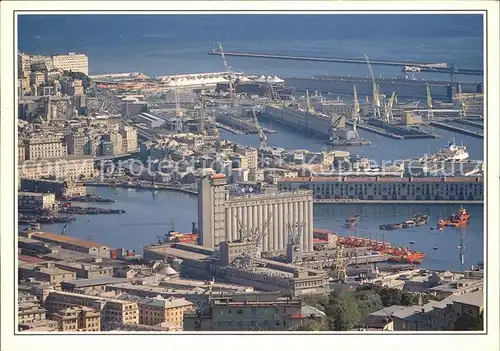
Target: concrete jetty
456, 129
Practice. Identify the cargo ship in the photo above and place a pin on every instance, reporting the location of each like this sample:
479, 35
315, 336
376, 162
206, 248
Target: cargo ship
459, 219
417, 221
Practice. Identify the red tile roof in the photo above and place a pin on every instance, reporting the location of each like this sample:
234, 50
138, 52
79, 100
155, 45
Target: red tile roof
30, 259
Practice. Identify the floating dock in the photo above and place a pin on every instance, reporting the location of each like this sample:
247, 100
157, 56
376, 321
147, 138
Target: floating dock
456, 129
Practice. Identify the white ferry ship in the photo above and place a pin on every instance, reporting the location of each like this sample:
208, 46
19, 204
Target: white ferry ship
452, 152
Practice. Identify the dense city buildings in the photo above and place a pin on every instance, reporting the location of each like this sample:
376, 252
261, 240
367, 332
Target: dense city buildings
100, 155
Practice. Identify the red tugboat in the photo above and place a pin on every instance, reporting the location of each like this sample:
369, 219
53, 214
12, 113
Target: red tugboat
459, 219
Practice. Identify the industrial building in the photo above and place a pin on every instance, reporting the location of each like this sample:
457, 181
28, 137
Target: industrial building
67, 242
389, 189
149, 120
231, 264
222, 217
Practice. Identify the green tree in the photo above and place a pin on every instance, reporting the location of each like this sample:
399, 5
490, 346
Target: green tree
368, 302
309, 325
470, 321
343, 311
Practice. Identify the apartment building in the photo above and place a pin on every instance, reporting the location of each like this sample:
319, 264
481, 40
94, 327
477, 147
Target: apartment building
265, 312
111, 310
159, 310
86, 270
44, 272
116, 140
438, 315
72, 62
77, 319
129, 137
72, 87
37, 78
67, 168
79, 144
29, 309
21, 151
42, 147
252, 158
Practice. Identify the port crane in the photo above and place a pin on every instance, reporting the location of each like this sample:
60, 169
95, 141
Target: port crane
232, 90
376, 95
294, 251
355, 116
463, 107
262, 135
178, 111
389, 117
335, 121
430, 112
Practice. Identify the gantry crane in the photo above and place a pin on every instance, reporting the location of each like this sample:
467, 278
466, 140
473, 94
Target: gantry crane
430, 112
232, 90
376, 95
262, 135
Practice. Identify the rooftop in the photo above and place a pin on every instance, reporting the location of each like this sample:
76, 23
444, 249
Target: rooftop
381, 179
165, 303
83, 283
475, 298
64, 239
172, 252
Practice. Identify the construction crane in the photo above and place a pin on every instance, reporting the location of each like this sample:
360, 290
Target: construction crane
355, 117
232, 90
376, 95
430, 113
262, 135
389, 117
463, 107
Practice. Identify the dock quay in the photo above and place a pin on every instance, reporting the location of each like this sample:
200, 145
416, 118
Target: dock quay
404, 133
376, 130
469, 123
456, 129
238, 124
144, 187
228, 128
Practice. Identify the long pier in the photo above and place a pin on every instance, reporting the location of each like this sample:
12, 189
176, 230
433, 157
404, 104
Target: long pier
457, 129
422, 67
228, 128
470, 123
